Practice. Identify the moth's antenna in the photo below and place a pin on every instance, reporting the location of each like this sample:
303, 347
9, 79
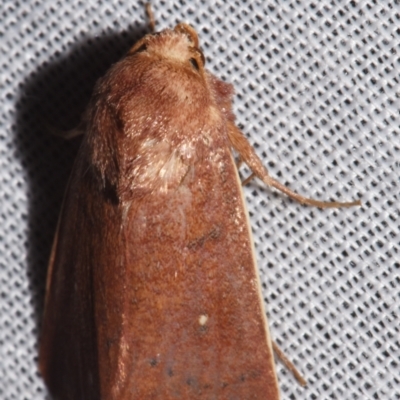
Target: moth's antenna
150, 16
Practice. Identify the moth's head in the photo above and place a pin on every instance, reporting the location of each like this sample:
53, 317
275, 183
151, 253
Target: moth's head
178, 47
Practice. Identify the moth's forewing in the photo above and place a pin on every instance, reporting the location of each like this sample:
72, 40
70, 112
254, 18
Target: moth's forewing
154, 291
68, 349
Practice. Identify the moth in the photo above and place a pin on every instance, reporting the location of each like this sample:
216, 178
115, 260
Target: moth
152, 289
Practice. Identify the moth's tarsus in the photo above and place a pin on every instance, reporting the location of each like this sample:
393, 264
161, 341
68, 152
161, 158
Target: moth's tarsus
299, 198
288, 364
307, 201
64, 134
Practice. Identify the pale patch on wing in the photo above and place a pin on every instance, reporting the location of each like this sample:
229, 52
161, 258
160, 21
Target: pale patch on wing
203, 319
122, 373
214, 116
161, 167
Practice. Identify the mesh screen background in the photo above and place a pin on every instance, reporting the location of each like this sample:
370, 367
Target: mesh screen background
317, 93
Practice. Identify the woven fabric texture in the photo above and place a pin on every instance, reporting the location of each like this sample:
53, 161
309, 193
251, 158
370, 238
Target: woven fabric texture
317, 94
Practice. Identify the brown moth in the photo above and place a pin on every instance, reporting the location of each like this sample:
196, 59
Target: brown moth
153, 290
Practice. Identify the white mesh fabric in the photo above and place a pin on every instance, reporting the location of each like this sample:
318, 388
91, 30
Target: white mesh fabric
317, 93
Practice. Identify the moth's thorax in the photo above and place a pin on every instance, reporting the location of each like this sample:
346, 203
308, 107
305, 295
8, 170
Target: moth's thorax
157, 113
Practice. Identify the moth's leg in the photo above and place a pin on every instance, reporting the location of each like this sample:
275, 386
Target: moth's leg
150, 16
249, 156
70, 134
288, 364
248, 179
239, 162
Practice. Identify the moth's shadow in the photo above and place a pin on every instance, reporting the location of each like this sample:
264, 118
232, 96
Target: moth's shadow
56, 95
